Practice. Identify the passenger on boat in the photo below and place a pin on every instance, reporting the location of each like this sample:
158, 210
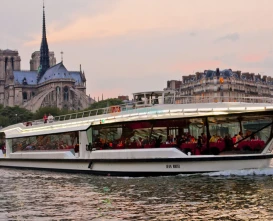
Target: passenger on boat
158, 141
127, 142
239, 136
134, 144
192, 139
45, 118
139, 142
214, 138
199, 142
152, 142
178, 141
228, 142
28, 124
234, 138
204, 138
106, 145
234, 141
169, 139
145, 141
77, 147
252, 137
50, 118
4, 148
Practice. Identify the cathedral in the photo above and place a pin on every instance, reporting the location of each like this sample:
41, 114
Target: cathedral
46, 84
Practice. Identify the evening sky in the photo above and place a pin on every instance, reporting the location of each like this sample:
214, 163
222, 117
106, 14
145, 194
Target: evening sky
127, 46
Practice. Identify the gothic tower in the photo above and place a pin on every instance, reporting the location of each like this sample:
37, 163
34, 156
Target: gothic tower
44, 51
9, 62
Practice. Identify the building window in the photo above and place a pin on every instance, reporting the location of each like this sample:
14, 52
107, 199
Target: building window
24, 95
66, 93
58, 89
12, 63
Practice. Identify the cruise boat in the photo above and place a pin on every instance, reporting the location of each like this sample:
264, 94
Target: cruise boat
159, 134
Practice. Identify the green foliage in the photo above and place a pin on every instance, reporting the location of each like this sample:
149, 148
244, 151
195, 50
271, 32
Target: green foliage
12, 115
54, 111
105, 103
4, 121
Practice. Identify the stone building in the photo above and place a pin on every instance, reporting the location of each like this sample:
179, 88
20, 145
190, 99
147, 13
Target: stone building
45, 84
35, 60
225, 85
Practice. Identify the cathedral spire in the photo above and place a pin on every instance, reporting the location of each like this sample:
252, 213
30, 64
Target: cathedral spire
44, 51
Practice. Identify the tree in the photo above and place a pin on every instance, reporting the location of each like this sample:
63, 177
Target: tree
54, 111
47, 110
12, 115
105, 103
4, 121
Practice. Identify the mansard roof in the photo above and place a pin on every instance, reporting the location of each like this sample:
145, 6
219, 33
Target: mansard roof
224, 73
30, 76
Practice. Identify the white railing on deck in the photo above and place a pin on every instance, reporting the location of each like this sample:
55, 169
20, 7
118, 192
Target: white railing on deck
142, 107
220, 99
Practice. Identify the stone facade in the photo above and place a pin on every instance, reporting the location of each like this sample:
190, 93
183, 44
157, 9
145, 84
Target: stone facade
225, 85
21, 88
45, 84
35, 60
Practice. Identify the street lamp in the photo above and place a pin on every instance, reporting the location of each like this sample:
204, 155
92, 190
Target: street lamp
16, 115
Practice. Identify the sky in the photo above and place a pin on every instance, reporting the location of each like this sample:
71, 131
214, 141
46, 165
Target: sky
127, 46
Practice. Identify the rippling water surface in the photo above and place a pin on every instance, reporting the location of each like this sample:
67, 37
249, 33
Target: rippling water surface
40, 195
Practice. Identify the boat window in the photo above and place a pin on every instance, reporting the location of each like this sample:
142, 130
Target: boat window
2, 141
244, 133
89, 135
144, 134
46, 142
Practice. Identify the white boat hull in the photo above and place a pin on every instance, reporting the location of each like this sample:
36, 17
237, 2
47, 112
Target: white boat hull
144, 167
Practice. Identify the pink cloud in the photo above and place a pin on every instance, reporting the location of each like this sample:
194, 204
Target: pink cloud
257, 57
141, 15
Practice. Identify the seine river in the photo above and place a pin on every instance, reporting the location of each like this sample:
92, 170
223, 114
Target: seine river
40, 195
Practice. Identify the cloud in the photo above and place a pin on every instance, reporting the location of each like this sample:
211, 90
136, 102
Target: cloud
127, 17
194, 66
254, 57
192, 34
229, 37
125, 45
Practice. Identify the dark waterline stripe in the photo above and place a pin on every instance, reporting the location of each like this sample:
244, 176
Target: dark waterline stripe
186, 159
108, 173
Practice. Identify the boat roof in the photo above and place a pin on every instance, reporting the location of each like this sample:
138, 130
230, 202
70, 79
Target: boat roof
83, 120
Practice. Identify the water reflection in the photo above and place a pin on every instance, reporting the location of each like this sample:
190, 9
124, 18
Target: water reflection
38, 195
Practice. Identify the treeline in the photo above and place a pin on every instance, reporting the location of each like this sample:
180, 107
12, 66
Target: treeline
105, 103
13, 115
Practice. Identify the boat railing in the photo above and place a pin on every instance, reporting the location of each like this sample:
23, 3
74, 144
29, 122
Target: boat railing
114, 110
220, 99
145, 106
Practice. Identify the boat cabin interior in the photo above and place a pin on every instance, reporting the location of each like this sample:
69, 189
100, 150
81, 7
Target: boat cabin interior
237, 133
215, 134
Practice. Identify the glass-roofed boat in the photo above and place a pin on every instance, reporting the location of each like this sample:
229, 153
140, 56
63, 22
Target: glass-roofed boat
159, 133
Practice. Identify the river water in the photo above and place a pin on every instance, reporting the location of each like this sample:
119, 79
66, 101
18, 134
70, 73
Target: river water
41, 195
